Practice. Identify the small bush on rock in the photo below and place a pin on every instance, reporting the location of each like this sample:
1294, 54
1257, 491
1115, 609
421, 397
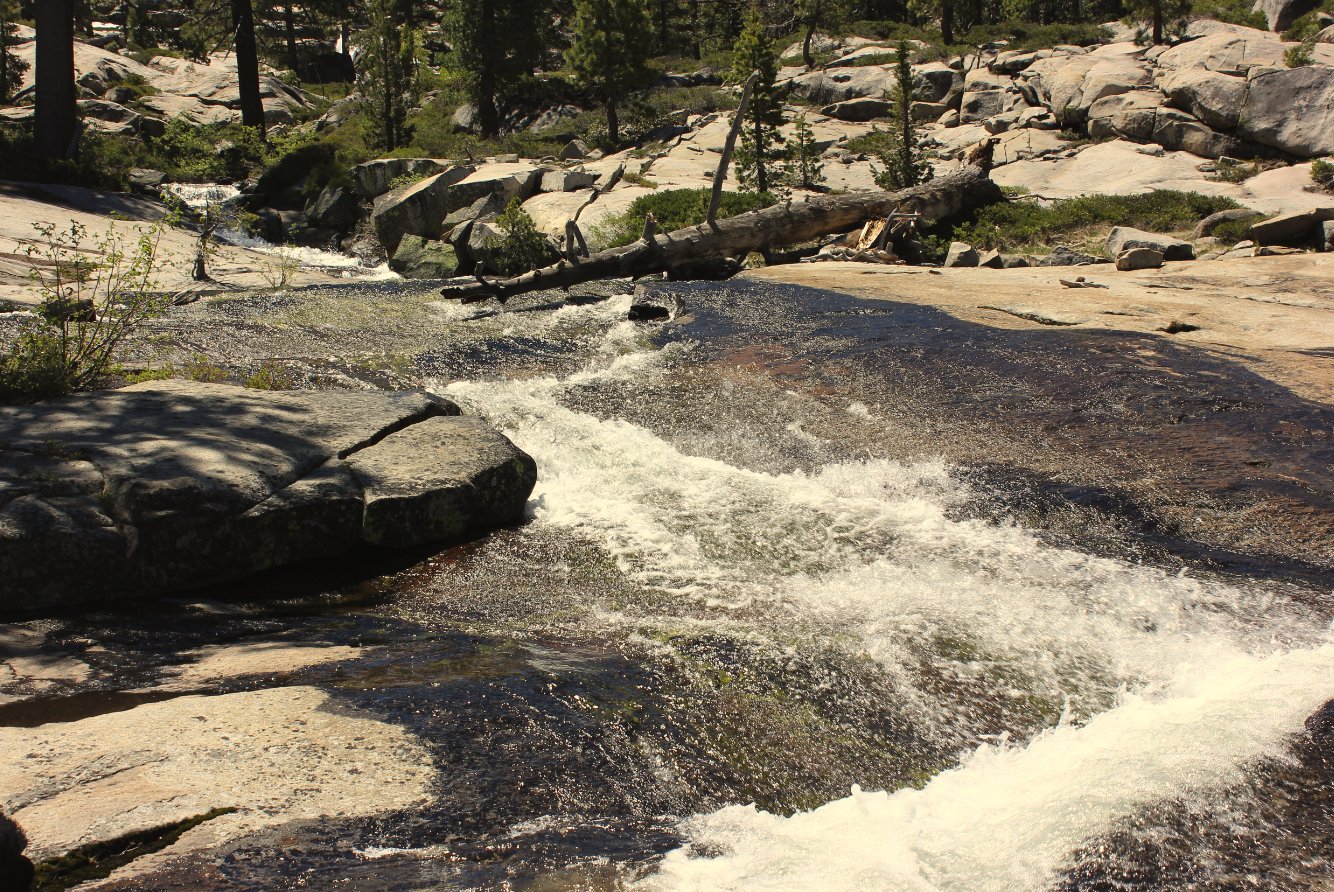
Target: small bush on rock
1322, 173
88, 309
524, 248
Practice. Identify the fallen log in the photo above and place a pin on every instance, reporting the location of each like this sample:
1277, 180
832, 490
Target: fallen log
680, 252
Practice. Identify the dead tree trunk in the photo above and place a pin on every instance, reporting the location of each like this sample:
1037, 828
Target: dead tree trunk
783, 224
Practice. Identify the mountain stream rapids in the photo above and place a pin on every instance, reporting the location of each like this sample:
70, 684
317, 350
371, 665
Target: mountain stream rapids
755, 634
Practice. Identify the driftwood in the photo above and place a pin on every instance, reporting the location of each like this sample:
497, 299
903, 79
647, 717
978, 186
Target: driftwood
789, 223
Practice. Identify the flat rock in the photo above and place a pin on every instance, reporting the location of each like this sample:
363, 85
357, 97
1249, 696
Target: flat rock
172, 485
273, 756
1124, 238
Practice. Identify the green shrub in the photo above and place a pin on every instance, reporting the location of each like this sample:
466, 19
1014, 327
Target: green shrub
1235, 12
200, 368
1233, 231
523, 248
1300, 55
674, 209
1030, 227
271, 376
1322, 173
86, 311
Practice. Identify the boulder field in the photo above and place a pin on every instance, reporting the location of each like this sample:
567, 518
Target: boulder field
172, 485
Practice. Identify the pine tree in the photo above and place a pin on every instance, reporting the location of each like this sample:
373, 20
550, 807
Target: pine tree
609, 55
815, 14
12, 67
904, 164
496, 43
804, 169
761, 141
388, 78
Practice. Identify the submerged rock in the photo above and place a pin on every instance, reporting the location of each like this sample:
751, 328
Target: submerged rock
172, 485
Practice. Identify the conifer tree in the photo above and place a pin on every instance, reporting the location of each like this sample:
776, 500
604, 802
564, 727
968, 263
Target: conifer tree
609, 55
761, 141
804, 169
12, 67
388, 79
496, 43
815, 14
904, 164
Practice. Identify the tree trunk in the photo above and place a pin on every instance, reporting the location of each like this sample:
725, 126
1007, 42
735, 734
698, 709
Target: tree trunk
761, 171
1157, 22
289, 25
613, 124
247, 64
56, 122
947, 22
806, 55
783, 224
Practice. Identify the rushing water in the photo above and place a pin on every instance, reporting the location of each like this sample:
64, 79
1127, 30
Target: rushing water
746, 639
1132, 685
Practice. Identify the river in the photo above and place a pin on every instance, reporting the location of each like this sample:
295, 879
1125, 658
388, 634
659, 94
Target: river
756, 634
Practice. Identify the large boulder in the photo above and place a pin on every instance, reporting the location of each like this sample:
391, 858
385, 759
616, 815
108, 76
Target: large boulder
373, 178
1293, 228
1178, 131
1214, 98
417, 258
334, 208
1126, 115
1069, 85
421, 208
1139, 258
172, 485
1280, 14
1235, 51
979, 106
1124, 238
962, 254
1291, 109
859, 110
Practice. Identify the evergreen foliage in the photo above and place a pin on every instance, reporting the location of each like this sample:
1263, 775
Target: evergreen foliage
804, 168
904, 164
761, 142
609, 54
388, 78
12, 68
815, 15
524, 248
496, 44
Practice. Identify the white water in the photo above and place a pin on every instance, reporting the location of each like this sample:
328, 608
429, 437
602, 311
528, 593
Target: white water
200, 196
1177, 684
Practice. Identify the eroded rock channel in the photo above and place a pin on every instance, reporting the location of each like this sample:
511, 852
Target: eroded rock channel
1062, 593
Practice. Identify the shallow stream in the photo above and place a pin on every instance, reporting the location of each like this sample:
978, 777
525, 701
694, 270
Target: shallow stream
755, 634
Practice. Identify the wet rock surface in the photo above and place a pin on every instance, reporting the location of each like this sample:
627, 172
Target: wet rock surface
174, 484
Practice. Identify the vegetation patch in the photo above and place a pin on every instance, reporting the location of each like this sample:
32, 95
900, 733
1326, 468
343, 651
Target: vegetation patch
675, 209
1028, 227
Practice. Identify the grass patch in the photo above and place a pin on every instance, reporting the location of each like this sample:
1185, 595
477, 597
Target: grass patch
674, 209
1027, 227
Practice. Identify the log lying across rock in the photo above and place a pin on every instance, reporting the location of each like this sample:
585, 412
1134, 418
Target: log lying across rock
677, 253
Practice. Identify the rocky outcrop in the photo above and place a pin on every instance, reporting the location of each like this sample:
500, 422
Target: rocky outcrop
421, 208
172, 485
1291, 109
1280, 14
1293, 229
1139, 258
1070, 85
418, 258
373, 178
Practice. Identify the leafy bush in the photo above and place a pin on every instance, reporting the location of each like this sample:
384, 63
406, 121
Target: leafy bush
523, 248
1322, 173
674, 209
271, 376
1235, 12
1024, 225
1300, 55
87, 310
